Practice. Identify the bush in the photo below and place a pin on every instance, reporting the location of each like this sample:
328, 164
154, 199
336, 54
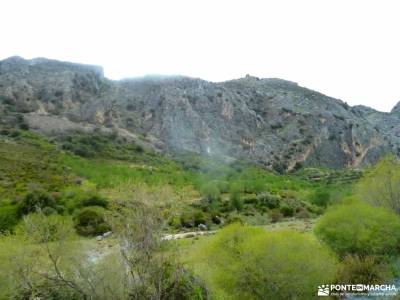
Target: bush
243, 262
34, 201
211, 192
223, 186
361, 229
199, 218
175, 222
275, 215
268, 200
303, 213
95, 200
286, 210
321, 198
42, 229
279, 167
187, 220
8, 217
90, 221
79, 197
381, 186
355, 269
236, 201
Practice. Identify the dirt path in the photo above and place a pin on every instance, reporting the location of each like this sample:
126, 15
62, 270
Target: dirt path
183, 235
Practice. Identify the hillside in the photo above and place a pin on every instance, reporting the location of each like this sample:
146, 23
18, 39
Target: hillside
272, 122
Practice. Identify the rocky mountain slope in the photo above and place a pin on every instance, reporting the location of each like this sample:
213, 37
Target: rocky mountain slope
272, 122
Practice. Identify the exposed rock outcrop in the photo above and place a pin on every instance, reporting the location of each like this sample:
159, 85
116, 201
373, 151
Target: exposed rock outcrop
271, 122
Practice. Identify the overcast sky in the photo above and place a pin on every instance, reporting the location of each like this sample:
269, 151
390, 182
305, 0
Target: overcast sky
347, 49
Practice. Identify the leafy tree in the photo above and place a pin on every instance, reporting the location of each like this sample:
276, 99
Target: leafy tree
244, 262
381, 185
45, 260
358, 228
153, 270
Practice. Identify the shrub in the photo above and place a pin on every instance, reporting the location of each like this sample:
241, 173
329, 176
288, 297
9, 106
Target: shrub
90, 221
42, 229
275, 215
286, 210
355, 269
49, 211
244, 262
34, 201
199, 218
175, 222
8, 217
187, 220
82, 196
236, 201
223, 186
268, 200
358, 228
279, 167
210, 191
303, 213
95, 200
381, 186
234, 220
321, 198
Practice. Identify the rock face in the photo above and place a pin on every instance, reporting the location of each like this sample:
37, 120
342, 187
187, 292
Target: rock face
272, 122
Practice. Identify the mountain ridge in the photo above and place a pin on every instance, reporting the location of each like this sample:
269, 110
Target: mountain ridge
272, 122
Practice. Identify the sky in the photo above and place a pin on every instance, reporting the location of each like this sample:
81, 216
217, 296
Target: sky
347, 49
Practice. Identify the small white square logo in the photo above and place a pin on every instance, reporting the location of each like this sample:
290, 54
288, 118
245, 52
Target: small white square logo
323, 290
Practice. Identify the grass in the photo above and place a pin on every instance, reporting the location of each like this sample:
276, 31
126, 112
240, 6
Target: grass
112, 173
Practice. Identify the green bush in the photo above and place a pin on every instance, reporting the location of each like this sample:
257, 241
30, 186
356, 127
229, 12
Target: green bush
175, 222
361, 229
199, 218
79, 197
211, 191
236, 201
34, 201
381, 184
243, 262
8, 217
268, 200
355, 269
90, 221
42, 229
94, 200
187, 220
286, 210
223, 186
321, 198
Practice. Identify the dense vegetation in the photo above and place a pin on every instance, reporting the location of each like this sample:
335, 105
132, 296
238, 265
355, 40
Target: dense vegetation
243, 262
58, 194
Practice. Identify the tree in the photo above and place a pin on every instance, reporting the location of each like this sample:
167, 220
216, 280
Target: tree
244, 262
361, 229
45, 259
381, 185
153, 270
